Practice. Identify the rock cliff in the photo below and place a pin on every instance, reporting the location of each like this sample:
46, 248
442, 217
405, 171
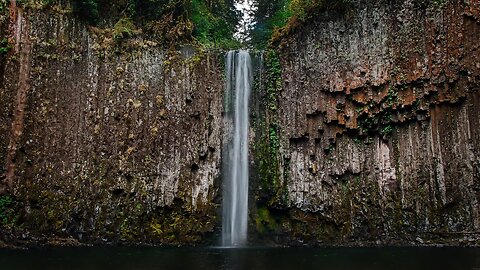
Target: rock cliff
374, 135
365, 130
117, 140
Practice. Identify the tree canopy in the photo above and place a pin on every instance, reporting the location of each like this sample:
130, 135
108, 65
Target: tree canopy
213, 23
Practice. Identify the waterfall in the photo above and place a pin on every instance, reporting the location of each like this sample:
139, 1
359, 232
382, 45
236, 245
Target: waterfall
235, 156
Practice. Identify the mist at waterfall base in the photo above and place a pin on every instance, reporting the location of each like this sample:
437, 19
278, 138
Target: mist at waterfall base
140, 258
239, 77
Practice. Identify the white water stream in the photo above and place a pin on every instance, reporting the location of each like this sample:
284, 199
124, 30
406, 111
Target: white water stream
235, 175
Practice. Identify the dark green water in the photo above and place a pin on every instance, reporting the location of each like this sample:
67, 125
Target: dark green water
248, 258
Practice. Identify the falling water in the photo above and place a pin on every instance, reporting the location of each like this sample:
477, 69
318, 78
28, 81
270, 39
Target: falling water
235, 195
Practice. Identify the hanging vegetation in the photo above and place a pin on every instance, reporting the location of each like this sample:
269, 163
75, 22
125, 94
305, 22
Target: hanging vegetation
275, 18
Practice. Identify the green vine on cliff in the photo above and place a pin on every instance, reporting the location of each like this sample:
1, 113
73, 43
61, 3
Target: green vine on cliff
269, 143
5, 46
380, 122
124, 28
3, 7
439, 4
7, 212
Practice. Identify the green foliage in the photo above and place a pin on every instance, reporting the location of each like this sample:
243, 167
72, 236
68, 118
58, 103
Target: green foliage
366, 124
131, 8
392, 97
211, 22
439, 3
267, 148
170, 21
264, 221
3, 7
274, 79
39, 4
204, 21
386, 130
46, 3
214, 23
4, 46
7, 213
379, 123
153, 10
378, 117
269, 16
357, 140
124, 28
273, 17
273, 86
304, 9
86, 10
300, 8
179, 225
267, 153
273, 138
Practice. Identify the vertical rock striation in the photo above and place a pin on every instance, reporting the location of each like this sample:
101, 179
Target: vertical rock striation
378, 127
121, 140
366, 131
25, 53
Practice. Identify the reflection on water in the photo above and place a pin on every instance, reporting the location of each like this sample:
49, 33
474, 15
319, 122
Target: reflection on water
247, 258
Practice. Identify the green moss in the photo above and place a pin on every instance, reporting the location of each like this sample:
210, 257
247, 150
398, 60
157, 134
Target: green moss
264, 221
196, 59
5, 46
386, 130
273, 79
128, 231
267, 147
377, 117
124, 28
357, 140
392, 97
3, 7
156, 227
8, 214
179, 225
439, 4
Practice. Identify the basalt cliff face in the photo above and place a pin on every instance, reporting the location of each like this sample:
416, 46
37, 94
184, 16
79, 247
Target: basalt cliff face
365, 129
108, 141
375, 131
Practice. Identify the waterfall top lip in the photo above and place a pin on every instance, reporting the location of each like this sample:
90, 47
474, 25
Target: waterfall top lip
252, 52
246, 50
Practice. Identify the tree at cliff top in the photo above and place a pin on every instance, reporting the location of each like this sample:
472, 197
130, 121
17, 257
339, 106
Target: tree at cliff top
273, 18
268, 15
211, 22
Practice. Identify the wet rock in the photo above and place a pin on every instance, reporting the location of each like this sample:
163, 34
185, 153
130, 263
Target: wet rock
400, 71
111, 140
